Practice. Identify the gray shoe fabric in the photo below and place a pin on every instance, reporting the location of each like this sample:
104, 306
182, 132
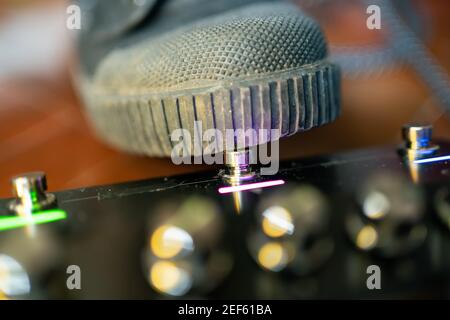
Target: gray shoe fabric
260, 66
109, 24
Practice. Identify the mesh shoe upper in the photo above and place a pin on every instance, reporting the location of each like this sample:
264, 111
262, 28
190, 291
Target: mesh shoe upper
245, 43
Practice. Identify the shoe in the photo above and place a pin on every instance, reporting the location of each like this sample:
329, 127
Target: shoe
150, 67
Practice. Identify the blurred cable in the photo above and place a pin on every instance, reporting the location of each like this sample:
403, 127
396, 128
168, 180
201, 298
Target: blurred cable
358, 60
410, 48
404, 45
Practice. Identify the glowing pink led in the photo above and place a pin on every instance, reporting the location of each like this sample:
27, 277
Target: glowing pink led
251, 186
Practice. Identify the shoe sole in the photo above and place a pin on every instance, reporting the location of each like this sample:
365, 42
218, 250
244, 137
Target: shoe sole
289, 101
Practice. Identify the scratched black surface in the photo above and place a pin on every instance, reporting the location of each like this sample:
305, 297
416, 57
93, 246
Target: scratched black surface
106, 231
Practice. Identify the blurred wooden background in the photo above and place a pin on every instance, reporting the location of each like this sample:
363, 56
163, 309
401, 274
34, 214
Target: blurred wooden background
42, 126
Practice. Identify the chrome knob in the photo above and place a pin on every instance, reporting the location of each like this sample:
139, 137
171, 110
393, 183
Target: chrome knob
388, 216
293, 231
30, 192
418, 141
239, 166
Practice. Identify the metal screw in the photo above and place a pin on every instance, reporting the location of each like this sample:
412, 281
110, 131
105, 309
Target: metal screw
29, 190
417, 140
238, 166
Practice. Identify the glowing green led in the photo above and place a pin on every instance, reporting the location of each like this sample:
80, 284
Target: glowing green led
8, 223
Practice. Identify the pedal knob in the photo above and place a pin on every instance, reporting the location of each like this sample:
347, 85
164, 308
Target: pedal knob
185, 255
387, 217
292, 231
